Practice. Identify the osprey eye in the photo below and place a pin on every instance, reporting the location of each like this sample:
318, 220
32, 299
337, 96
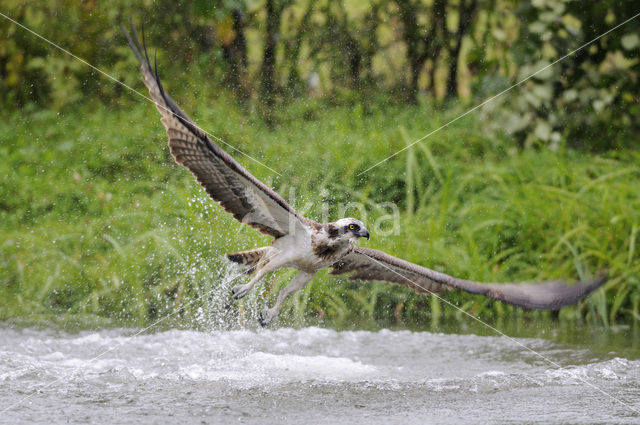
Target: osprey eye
352, 227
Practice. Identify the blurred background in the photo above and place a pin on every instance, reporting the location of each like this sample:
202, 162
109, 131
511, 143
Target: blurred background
98, 225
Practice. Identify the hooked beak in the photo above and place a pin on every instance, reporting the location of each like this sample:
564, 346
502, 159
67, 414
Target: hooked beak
363, 233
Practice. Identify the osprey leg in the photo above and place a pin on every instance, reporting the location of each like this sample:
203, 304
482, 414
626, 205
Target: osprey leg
298, 282
240, 291
258, 261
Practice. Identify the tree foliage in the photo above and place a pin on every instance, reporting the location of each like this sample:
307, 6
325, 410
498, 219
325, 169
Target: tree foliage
590, 99
272, 50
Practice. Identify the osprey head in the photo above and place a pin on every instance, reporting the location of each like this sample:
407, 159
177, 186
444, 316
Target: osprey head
349, 227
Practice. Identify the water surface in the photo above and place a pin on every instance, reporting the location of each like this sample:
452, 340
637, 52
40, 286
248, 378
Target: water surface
308, 375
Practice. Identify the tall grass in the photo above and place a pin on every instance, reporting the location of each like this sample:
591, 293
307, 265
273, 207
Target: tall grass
96, 219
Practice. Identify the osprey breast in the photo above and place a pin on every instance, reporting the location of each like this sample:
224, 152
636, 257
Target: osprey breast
328, 249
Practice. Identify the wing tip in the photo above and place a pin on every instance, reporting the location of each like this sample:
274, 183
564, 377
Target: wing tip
577, 292
142, 54
600, 279
134, 41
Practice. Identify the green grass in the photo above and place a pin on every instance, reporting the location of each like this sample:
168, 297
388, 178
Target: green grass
96, 220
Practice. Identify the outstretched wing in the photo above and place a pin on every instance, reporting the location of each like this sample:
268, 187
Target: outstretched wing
370, 264
241, 194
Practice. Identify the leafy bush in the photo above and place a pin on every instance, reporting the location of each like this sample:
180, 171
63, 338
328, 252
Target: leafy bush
589, 99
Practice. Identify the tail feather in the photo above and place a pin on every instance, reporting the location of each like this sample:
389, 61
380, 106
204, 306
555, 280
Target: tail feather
249, 259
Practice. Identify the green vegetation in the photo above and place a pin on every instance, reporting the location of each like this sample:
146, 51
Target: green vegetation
97, 219
97, 222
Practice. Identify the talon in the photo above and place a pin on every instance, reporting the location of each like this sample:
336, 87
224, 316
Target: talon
239, 292
264, 318
262, 322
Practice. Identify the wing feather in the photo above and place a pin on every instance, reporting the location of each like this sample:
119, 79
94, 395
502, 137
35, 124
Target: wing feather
248, 199
370, 264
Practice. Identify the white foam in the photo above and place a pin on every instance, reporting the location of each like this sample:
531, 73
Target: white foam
491, 374
311, 367
264, 369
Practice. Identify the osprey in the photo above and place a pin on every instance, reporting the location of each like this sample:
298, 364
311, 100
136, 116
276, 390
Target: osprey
304, 244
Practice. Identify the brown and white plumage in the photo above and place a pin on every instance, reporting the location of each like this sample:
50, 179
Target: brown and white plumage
240, 193
304, 244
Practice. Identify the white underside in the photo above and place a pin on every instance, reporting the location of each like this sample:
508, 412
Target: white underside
295, 251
